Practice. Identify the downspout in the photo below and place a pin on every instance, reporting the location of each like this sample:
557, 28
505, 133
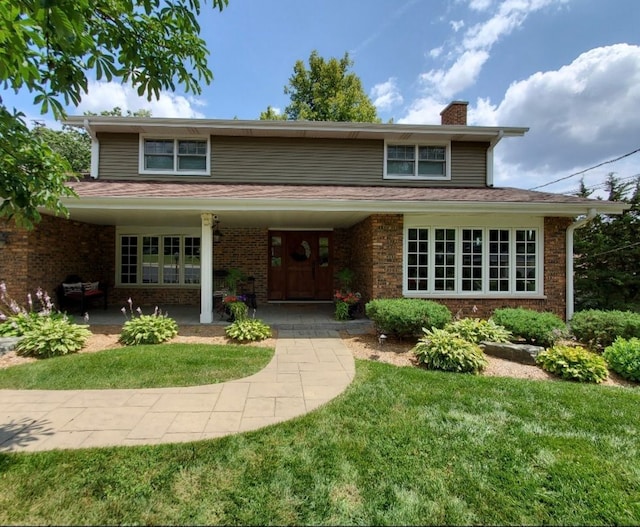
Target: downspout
95, 150
492, 145
591, 214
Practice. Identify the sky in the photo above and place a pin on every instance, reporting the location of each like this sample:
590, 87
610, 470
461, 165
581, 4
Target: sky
567, 69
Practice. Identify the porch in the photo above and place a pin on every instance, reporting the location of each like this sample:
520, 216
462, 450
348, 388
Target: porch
280, 316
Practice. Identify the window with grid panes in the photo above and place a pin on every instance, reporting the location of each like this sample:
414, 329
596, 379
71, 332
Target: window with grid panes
416, 161
418, 260
175, 156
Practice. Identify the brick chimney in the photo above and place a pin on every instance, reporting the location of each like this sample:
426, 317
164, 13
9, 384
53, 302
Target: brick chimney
455, 113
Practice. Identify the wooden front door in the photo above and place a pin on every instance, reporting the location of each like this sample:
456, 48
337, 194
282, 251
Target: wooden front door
300, 265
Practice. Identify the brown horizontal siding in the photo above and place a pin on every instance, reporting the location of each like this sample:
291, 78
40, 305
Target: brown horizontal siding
277, 161
296, 161
118, 156
468, 164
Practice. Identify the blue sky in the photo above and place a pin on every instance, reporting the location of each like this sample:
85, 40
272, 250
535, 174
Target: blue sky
568, 69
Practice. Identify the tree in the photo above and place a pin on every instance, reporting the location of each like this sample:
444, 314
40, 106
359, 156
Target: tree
50, 47
607, 252
326, 92
72, 144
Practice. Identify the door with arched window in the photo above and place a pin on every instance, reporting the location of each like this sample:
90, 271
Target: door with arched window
300, 265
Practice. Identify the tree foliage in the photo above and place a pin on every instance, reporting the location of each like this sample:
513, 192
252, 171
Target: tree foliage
607, 252
52, 47
73, 144
326, 91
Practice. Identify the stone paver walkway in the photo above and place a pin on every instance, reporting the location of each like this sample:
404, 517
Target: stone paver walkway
309, 368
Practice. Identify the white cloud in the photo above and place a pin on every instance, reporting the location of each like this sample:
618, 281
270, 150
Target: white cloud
457, 25
386, 95
579, 115
107, 95
469, 55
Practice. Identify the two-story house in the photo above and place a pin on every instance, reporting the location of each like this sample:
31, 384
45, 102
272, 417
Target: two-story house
412, 209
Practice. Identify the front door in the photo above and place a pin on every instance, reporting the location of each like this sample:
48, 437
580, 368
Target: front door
300, 266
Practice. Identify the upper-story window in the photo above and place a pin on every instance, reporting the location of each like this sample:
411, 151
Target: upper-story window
417, 161
174, 156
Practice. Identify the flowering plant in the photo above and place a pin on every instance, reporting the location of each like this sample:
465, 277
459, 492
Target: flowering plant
233, 298
348, 298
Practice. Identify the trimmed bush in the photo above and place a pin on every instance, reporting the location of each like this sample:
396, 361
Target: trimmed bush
541, 329
440, 350
573, 363
598, 329
623, 357
148, 329
51, 337
476, 330
249, 329
406, 317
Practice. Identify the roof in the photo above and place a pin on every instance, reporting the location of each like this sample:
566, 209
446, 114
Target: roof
110, 201
305, 129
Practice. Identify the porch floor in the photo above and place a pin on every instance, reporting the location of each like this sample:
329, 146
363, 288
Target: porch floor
277, 315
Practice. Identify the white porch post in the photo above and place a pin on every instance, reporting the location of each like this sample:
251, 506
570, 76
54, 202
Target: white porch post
206, 269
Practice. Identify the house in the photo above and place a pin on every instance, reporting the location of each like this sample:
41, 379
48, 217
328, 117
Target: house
412, 209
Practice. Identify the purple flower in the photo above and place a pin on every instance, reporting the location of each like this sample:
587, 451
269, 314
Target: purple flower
30, 301
39, 294
2, 316
139, 311
86, 317
124, 311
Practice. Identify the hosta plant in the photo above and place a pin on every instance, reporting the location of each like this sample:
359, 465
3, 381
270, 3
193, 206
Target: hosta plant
147, 329
248, 329
51, 337
573, 363
477, 330
623, 357
440, 350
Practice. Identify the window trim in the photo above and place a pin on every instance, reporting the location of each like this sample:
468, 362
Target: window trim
175, 171
140, 233
511, 224
417, 145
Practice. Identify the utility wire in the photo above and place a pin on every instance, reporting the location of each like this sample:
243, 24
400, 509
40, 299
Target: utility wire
616, 249
603, 184
586, 170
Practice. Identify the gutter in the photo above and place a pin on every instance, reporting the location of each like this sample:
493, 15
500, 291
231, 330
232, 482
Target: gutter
95, 150
591, 214
492, 145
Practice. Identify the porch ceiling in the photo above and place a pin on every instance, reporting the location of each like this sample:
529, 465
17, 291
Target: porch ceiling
236, 218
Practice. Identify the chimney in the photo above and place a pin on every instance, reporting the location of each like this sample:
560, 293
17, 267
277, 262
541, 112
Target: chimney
455, 113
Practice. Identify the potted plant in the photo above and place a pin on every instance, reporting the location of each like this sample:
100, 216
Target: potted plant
345, 300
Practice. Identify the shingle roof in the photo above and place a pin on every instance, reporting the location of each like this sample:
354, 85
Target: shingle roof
160, 189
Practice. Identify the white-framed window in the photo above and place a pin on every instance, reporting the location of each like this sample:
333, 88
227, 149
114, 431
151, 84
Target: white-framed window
158, 259
160, 155
480, 260
417, 161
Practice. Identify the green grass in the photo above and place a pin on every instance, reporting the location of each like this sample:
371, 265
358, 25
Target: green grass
148, 366
400, 446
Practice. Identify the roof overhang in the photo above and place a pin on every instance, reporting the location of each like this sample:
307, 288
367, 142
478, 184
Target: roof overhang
290, 129
296, 213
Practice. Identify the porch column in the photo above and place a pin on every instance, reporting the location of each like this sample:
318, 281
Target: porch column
206, 269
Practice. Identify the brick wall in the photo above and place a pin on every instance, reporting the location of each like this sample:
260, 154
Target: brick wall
55, 248
454, 113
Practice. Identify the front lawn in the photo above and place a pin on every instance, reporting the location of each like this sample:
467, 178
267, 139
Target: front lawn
400, 446
148, 366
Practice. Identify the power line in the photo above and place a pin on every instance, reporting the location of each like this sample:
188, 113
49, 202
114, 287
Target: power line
616, 249
603, 184
586, 170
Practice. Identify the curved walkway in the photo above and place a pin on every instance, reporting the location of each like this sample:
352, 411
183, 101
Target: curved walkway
309, 368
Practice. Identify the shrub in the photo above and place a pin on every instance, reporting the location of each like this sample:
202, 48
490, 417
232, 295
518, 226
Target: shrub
441, 350
542, 329
249, 329
18, 325
147, 329
52, 336
623, 357
573, 363
476, 330
598, 329
405, 317
341, 310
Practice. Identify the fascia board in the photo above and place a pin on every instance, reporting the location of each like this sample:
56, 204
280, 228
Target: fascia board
372, 206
